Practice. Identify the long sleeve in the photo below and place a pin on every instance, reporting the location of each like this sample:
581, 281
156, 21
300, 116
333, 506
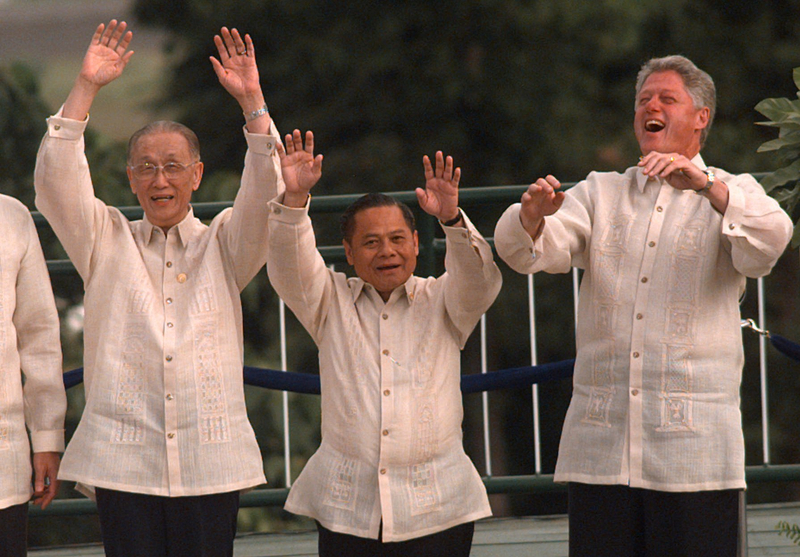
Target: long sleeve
756, 227
295, 267
36, 322
64, 191
248, 227
472, 277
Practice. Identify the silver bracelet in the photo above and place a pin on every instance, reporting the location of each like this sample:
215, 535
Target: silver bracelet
250, 116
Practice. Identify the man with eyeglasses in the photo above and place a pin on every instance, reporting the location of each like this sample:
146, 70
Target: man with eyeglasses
164, 443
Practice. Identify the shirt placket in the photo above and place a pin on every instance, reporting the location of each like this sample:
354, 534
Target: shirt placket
171, 283
388, 365
638, 329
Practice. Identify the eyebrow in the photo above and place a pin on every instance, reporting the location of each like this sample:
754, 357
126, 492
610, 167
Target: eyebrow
391, 232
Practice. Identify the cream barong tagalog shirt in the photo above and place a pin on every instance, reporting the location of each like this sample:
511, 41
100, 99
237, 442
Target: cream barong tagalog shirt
391, 401
655, 400
165, 411
31, 384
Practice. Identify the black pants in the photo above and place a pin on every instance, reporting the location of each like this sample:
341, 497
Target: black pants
619, 521
136, 525
14, 531
454, 542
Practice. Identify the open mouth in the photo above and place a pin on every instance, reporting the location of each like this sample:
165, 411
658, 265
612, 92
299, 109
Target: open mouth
384, 268
158, 198
654, 125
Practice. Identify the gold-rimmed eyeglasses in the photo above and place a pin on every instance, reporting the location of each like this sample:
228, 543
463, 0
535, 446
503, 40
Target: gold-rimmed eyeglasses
171, 170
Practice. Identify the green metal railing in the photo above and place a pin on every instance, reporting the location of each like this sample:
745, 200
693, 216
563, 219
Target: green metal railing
430, 249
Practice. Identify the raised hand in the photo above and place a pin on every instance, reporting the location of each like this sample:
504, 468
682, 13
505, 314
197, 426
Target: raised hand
104, 61
440, 196
236, 68
541, 199
300, 168
106, 57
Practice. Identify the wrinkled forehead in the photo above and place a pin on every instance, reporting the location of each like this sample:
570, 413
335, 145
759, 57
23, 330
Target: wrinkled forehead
161, 145
379, 221
662, 82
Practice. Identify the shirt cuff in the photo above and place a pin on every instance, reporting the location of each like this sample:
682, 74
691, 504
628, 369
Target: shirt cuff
47, 441
734, 213
65, 128
261, 143
289, 215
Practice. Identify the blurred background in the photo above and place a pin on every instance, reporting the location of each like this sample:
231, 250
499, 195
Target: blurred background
512, 89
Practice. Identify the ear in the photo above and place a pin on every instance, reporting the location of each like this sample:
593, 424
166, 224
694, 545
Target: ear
197, 175
130, 179
348, 252
702, 118
416, 243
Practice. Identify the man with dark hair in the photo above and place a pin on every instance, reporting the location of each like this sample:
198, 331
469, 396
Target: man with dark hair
391, 476
652, 446
164, 442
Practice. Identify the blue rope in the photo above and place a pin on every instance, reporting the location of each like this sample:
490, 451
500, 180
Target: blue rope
785, 346
308, 383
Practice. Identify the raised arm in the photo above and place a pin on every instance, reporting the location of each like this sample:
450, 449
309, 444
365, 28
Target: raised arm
104, 62
542, 199
237, 71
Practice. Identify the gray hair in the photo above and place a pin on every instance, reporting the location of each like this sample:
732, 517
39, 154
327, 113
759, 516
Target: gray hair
698, 84
166, 126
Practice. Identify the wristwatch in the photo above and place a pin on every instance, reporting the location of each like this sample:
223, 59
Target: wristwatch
709, 182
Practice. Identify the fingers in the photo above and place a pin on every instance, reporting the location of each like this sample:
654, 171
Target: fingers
231, 44
444, 169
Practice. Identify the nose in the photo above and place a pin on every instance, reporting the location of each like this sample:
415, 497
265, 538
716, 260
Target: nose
386, 249
160, 179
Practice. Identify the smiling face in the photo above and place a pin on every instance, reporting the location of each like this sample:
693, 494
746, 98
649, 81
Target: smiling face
383, 249
666, 120
165, 200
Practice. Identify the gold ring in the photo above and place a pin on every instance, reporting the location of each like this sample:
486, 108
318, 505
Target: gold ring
242, 53
672, 159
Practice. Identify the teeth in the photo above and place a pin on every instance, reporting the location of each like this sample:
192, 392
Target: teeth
654, 125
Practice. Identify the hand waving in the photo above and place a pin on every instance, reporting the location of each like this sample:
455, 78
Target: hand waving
106, 57
236, 68
440, 196
300, 168
541, 199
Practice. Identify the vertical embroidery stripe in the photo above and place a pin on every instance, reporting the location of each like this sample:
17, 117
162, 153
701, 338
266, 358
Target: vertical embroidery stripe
211, 403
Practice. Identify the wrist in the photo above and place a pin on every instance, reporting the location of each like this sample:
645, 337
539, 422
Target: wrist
453, 220
295, 200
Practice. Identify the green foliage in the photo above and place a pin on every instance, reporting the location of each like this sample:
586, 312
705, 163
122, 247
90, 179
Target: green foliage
784, 184
791, 531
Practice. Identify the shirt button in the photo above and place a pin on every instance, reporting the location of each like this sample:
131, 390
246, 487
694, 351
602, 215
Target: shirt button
652, 244
169, 301
383, 470
644, 279
170, 397
639, 316
57, 127
385, 317
169, 358
387, 392
269, 145
169, 325
659, 209
635, 392
276, 210
635, 354
182, 278
385, 352
731, 226
170, 435
385, 432
411, 295
169, 264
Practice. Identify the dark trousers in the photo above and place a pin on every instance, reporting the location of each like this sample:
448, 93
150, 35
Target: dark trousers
137, 525
620, 521
454, 542
14, 531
